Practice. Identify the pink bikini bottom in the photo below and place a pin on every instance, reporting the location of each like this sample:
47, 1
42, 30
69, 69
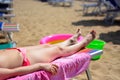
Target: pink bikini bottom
22, 51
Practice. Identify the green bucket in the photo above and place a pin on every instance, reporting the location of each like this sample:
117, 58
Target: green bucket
98, 45
7, 45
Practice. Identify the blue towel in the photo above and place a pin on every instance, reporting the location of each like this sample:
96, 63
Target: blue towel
1, 14
1, 24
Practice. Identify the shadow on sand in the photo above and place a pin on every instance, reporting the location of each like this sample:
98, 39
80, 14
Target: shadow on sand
42, 0
113, 37
88, 23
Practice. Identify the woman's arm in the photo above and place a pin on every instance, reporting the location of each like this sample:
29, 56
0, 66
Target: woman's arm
7, 73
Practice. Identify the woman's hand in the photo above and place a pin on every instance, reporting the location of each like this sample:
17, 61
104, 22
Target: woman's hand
52, 68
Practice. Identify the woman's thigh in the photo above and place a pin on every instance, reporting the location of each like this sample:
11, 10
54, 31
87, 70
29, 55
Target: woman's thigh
10, 58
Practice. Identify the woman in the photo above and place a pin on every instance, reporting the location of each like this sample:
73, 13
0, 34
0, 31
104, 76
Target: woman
21, 61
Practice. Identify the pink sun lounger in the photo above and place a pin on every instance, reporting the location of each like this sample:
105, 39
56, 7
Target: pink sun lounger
69, 67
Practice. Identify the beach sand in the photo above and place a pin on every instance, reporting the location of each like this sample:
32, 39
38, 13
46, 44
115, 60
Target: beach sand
38, 19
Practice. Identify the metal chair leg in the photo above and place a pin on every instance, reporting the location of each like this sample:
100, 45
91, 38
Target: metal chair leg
9, 35
88, 74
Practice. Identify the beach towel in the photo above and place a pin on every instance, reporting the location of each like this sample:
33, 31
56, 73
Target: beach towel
68, 67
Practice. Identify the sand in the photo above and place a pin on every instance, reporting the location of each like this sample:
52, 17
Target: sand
38, 19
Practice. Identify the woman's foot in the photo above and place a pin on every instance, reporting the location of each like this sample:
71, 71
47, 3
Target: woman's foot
90, 36
73, 40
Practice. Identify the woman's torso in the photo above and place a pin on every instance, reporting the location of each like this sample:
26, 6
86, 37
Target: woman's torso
42, 55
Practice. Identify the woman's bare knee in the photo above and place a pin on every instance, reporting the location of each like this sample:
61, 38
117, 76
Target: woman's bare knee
59, 50
62, 51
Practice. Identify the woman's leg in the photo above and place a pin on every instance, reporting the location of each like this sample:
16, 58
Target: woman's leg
71, 41
66, 51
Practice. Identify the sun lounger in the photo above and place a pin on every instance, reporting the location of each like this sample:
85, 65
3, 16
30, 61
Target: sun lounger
6, 9
8, 28
113, 10
69, 67
7, 45
6, 6
55, 2
96, 5
6, 15
6, 1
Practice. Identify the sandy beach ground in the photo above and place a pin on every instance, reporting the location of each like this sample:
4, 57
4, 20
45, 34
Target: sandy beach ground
38, 19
